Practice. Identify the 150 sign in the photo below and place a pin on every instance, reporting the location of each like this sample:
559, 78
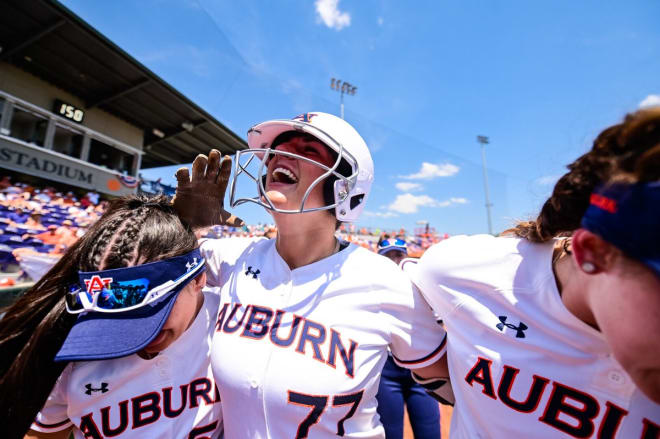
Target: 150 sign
68, 111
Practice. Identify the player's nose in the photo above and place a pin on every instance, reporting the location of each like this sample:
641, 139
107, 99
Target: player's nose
280, 158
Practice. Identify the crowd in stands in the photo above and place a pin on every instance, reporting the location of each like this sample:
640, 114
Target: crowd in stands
418, 241
41, 221
37, 225
363, 236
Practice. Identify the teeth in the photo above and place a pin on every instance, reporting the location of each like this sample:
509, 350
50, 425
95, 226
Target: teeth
286, 172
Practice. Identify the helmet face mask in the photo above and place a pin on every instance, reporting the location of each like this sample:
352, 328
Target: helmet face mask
240, 167
350, 191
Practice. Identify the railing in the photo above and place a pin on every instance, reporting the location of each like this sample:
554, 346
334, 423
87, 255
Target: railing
11, 101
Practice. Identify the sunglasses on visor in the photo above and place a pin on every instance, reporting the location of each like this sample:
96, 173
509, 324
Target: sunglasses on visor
126, 295
391, 243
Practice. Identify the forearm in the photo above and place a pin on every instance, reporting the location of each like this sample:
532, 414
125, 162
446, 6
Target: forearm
62, 434
435, 380
439, 369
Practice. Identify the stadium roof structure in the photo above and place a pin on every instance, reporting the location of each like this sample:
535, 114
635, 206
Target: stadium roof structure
48, 40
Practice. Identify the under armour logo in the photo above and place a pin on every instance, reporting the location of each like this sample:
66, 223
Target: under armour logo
190, 266
520, 329
90, 389
253, 273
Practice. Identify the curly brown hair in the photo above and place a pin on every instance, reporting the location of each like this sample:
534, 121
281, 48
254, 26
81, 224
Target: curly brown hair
625, 148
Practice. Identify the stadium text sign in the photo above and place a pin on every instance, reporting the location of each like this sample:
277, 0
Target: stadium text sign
40, 162
24, 161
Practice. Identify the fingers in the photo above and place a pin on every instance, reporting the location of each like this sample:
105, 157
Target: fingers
223, 174
213, 167
182, 176
199, 167
203, 168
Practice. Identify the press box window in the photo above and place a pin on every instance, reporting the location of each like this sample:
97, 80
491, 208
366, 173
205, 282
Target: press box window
28, 126
67, 141
108, 156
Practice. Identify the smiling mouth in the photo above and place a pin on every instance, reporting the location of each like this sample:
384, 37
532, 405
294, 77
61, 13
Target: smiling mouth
283, 175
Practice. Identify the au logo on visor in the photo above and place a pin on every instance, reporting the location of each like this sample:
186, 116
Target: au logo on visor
111, 295
128, 288
97, 283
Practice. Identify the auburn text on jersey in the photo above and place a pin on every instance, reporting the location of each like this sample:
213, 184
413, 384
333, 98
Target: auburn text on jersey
257, 322
565, 403
148, 408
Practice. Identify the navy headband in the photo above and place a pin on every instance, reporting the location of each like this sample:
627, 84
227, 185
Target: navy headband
628, 216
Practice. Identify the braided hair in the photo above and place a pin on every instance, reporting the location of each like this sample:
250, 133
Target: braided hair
134, 230
616, 150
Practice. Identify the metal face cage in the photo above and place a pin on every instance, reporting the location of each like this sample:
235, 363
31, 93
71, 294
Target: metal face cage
244, 159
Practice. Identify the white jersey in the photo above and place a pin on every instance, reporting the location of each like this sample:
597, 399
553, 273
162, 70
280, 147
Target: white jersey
170, 396
521, 364
298, 353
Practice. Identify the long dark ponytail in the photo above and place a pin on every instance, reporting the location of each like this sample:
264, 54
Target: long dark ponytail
134, 230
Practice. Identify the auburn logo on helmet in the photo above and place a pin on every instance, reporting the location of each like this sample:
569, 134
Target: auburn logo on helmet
305, 117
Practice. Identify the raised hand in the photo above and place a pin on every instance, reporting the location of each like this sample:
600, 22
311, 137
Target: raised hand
199, 200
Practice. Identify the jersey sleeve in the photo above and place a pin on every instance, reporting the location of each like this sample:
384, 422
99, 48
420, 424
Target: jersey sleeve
435, 274
220, 255
53, 417
417, 339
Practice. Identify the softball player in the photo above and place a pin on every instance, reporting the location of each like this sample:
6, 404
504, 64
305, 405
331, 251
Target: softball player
129, 336
394, 248
550, 337
305, 320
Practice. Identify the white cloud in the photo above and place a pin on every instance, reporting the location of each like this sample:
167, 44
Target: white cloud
458, 200
409, 203
547, 180
380, 21
408, 187
430, 171
379, 214
650, 101
330, 15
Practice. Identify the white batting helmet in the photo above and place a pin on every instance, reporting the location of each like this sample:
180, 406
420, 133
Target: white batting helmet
350, 191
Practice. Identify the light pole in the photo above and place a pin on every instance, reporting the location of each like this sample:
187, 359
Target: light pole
342, 87
426, 225
483, 140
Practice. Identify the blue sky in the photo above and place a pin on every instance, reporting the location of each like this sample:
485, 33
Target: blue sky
540, 79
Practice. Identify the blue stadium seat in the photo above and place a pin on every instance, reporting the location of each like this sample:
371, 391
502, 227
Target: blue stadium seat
10, 238
6, 257
45, 248
33, 242
11, 230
